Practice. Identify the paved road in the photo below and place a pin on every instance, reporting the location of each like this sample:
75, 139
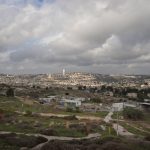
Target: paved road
121, 130
118, 128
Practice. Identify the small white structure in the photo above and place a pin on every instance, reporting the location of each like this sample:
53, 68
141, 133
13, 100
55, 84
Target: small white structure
49, 76
47, 99
121, 106
70, 103
52, 97
147, 100
82, 99
63, 72
132, 95
117, 106
148, 94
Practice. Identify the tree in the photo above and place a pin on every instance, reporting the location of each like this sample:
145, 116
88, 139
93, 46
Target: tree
1, 113
10, 92
69, 88
77, 110
96, 100
103, 88
46, 88
28, 113
109, 88
79, 87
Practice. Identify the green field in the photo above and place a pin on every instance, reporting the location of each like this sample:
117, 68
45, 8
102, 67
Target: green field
16, 121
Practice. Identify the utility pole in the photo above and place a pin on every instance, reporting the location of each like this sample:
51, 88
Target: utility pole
117, 110
117, 121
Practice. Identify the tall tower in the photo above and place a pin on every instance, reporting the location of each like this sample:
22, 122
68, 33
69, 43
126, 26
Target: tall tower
49, 76
63, 72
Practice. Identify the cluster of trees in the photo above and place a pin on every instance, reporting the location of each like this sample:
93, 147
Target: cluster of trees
141, 94
117, 91
96, 100
80, 87
132, 113
76, 109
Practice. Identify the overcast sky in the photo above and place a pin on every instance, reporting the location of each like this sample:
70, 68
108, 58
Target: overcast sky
103, 36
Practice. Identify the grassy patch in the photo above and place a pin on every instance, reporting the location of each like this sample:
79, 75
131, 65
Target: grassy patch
132, 129
69, 132
146, 117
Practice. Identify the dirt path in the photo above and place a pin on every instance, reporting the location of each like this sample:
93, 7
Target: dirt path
78, 117
49, 138
108, 118
90, 136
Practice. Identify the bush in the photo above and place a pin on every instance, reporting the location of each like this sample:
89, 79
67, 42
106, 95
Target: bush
147, 137
106, 139
58, 145
28, 113
78, 127
68, 109
22, 140
77, 110
10, 92
115, 146
49, 132
132, 113
71, 117
96, 100
1, 111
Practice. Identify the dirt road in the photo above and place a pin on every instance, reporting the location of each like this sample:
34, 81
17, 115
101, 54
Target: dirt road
78, 117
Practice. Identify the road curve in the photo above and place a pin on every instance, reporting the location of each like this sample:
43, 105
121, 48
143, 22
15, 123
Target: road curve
49, 138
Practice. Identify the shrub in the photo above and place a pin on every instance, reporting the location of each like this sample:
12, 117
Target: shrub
106, 139
22, 140
71, 117
69, 109
147, 137
26, 141
10, 92
77, 110
115, 146
49, 132
28, 113
1, 111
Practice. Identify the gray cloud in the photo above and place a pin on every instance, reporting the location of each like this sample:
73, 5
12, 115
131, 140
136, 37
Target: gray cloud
88, 35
